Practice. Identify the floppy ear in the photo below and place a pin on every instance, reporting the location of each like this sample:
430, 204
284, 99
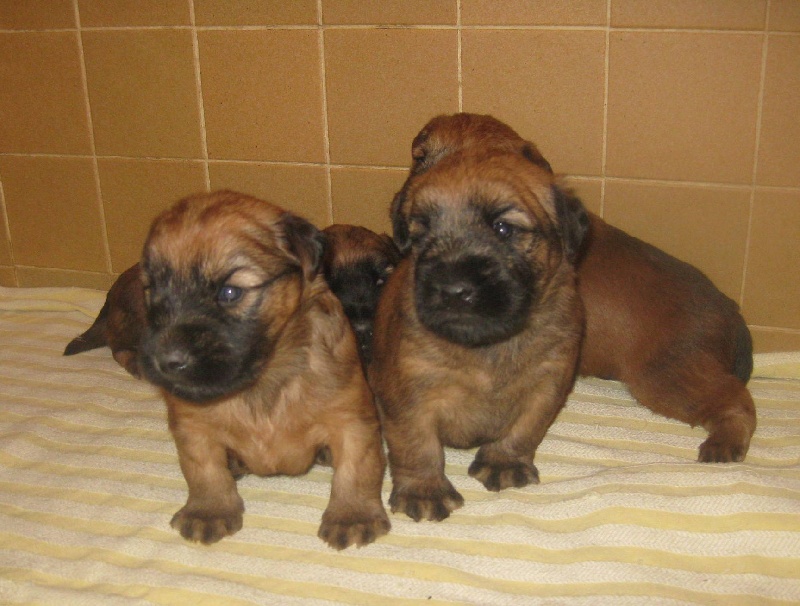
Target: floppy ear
304, 241
573, 221
532, 153
399, 222
390, 248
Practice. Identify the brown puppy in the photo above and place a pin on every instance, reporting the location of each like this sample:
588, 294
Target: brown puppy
257, 364
357, 262
478, 329
652, 321
120, 323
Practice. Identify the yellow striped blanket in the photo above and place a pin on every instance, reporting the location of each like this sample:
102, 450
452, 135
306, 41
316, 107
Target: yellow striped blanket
89, 480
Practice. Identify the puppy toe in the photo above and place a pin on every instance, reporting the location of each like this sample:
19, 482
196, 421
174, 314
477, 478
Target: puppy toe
340, 532
432, 505
714, 451
206, 527
497, 476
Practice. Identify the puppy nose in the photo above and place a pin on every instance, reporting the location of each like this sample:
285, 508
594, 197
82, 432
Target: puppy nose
174, 362
458, 292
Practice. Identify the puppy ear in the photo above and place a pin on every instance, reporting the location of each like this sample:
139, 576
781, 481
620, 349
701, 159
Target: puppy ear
573, 221
304, 241
390, 248
399, 223
532, 154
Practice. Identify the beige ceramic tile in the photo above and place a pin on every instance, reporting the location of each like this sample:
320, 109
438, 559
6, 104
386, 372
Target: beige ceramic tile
768, 340
525, 12
8, 277
34, 277
262, 95
706, 227
134, 192
128, 13
550, 89
784, 15
300, 189
772, 289
42, 89
590, 191
382, 87
779, 148
683, 106
255, 12
362, 196
143, 94
36, 14
706, 14
53, 212
389, 12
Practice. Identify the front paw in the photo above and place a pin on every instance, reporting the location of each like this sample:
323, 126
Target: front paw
345, 528
207, 525
423, 503
497, 476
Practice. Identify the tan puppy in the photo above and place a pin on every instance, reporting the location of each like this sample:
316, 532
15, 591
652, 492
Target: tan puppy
356, 263
478, 329
652, 321
120, 323
257, 363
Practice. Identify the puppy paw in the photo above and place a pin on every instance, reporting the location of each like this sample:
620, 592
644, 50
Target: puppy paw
419, 504
340, 530
715, 450
206, 526
497, 476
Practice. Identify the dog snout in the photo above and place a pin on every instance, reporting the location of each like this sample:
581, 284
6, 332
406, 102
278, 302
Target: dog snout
173, 361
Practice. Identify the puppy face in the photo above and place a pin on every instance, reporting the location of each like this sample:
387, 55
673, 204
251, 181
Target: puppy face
357, 262
487, 232
222, 274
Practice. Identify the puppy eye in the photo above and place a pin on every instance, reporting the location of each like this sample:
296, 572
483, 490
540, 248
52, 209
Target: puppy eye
379, 282
229, 294
503, 230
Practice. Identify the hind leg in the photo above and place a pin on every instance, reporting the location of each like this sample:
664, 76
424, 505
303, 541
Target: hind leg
707, 396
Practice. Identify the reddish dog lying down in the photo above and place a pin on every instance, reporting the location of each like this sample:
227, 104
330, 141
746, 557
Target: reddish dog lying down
652, 321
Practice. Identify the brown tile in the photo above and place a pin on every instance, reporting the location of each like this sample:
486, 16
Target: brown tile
255, 12
5, 244
389, 12
772, 290
682, 106
689, 14
767, 340
134, 192
590, 191
784, 16
362, 196
8, 277
383, 87
300, 189
36, 14
35, 277
131, 13
779, 148
550, 89
704, 226
42, 89
262, 95
143, 93
524, 12
53, 212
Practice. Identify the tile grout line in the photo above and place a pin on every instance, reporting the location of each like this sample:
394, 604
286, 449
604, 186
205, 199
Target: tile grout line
199, 92
326, 137
754, 176
92, 143
604, 151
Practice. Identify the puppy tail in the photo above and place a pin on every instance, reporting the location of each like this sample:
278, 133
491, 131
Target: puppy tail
93, 338
743, 354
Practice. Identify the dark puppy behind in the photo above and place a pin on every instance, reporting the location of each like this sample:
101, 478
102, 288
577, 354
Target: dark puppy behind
652, 321
120, 323
478, 329
257, 364
357, 262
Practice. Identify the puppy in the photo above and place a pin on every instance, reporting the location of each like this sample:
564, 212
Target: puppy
478, 329
356, 263
257, 364
120, 323
654, 322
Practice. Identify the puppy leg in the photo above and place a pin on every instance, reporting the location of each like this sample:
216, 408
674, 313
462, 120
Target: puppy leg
508, 462
355, 513
214, 508
420, 488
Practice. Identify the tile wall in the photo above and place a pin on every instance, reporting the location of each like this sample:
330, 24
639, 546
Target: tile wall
677, 119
